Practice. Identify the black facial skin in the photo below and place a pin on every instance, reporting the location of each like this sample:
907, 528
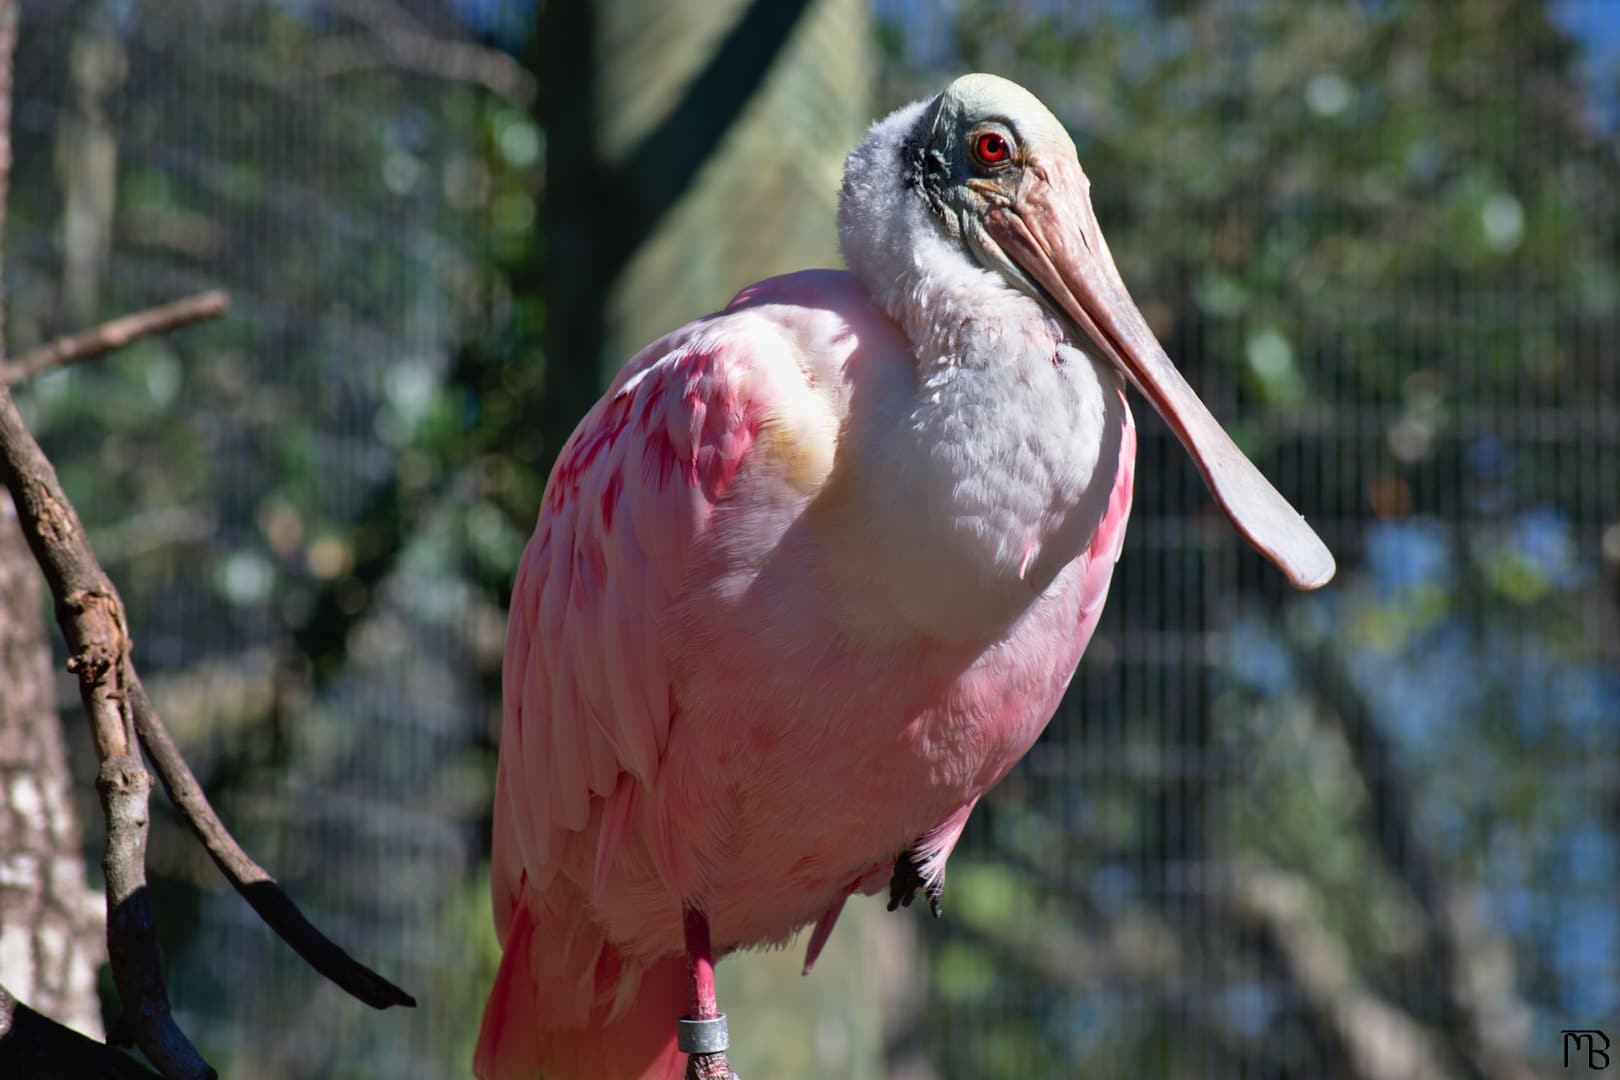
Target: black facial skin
926, 169
931, 171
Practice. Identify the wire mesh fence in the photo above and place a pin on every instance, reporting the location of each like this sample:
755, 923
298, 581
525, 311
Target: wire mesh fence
248, 484
1370, 833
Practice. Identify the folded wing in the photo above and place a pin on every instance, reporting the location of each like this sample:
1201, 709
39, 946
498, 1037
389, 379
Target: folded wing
586, 692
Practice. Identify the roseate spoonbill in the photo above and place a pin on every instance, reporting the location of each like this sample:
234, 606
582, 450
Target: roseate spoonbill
811, 577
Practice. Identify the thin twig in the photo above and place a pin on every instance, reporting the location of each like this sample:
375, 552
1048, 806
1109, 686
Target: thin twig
447, 61
112, 335
407, 45
32, 1044
257, 887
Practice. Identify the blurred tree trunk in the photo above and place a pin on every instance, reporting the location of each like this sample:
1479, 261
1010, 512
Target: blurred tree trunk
87, 164
692, 148
50, 921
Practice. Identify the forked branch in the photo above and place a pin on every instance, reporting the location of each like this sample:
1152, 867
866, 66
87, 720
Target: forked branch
91, 616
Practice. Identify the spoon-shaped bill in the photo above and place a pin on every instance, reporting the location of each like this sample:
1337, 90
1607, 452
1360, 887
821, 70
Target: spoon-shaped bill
1051, 231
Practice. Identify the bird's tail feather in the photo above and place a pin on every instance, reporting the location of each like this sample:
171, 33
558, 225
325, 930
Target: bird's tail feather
537, 1025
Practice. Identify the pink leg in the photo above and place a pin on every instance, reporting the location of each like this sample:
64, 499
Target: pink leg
700, 966
703, 1031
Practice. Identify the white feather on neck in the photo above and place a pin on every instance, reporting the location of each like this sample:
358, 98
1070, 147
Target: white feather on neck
948, 305
991, 473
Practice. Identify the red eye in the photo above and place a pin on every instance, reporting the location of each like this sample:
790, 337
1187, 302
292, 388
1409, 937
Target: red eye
991, 148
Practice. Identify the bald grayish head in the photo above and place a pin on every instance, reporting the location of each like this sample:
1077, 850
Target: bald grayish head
932, 159
981, 127
979, 192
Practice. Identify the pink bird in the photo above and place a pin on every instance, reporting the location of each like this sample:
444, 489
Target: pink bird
811, 577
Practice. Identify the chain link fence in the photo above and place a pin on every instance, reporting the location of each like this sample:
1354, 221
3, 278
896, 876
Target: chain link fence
1366, 834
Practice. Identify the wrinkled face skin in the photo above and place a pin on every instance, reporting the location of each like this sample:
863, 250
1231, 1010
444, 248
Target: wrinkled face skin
1001, 176
970, 155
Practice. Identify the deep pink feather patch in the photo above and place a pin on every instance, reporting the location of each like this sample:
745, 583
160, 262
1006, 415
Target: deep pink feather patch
610, 499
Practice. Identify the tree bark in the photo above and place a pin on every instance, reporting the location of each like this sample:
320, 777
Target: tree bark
51, 922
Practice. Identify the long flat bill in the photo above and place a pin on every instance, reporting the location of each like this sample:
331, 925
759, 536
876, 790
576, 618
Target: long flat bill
1052, 233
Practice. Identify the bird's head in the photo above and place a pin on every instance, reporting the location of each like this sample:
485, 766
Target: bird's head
983, 181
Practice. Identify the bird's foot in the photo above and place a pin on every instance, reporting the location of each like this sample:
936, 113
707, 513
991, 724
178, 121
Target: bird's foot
709, 1067
908, 878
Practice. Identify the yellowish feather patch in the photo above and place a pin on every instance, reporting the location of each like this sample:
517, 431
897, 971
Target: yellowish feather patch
801, 446
798, 436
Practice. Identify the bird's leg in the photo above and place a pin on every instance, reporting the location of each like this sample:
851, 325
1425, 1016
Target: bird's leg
908, 878
702, 1032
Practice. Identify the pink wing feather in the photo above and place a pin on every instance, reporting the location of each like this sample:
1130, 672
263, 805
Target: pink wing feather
586, 689
587, 703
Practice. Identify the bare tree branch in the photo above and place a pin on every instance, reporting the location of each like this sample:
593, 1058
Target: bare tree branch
257, 887
384, 13
400, 40
1378, 1040
36, 1045
132, 948
1485, 1017
24, 1035
87, 607
92, 618
112, 335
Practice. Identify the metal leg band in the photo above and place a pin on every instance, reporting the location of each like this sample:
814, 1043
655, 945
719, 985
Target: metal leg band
702, 1036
